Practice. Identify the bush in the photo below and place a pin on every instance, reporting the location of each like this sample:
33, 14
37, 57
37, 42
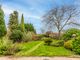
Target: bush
12, 50
68, 34
5, 44
47, 41
40, 36
28, 36
24, 37
7, 47
16, 36
76, 45
68, 44
57, 43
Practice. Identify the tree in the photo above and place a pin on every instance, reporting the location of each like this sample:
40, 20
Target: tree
60, 17
16, 17
30, 27
22, 24
13, 21
3, 29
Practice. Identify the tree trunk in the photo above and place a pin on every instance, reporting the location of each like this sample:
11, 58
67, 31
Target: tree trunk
59, 34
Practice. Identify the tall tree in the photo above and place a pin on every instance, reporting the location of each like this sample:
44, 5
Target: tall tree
22, 23
2, 23
61, 16
15, 13
13, 21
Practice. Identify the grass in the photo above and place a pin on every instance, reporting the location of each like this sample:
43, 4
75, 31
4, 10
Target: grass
25, 47
51, 51
42, 50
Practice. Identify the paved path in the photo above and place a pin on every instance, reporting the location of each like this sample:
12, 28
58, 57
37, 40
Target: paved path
38, 58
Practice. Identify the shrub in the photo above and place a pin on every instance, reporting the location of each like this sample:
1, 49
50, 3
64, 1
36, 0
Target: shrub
40, 36
57, 43
24, 37
47, 41
68, 44
68, 34
12, 50
5, 44
7, 47
76, 45
28, 36
16, 36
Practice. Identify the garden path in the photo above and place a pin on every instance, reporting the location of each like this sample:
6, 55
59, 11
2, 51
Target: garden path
38, 58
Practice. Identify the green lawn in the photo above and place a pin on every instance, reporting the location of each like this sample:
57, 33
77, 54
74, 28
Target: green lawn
25, 47
42, 50
50, 51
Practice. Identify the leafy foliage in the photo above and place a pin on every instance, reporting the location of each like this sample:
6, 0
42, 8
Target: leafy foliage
16, 36
76, 45
68, 44
68, 34
47, 41
5, 44
57, 43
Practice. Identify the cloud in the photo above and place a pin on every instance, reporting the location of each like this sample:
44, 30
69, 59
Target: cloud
27, 14
30, 8
7, 10
33, 10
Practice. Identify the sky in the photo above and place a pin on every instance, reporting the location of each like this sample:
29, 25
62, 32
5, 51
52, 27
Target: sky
33, 10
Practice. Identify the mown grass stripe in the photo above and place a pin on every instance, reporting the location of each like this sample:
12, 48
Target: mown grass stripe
34, 48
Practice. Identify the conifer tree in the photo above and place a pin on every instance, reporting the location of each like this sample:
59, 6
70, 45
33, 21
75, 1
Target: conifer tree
16, 17
13, 21
2, 23
22, 24
29, 27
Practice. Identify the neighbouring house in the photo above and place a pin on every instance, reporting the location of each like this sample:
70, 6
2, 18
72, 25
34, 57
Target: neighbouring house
52, 34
